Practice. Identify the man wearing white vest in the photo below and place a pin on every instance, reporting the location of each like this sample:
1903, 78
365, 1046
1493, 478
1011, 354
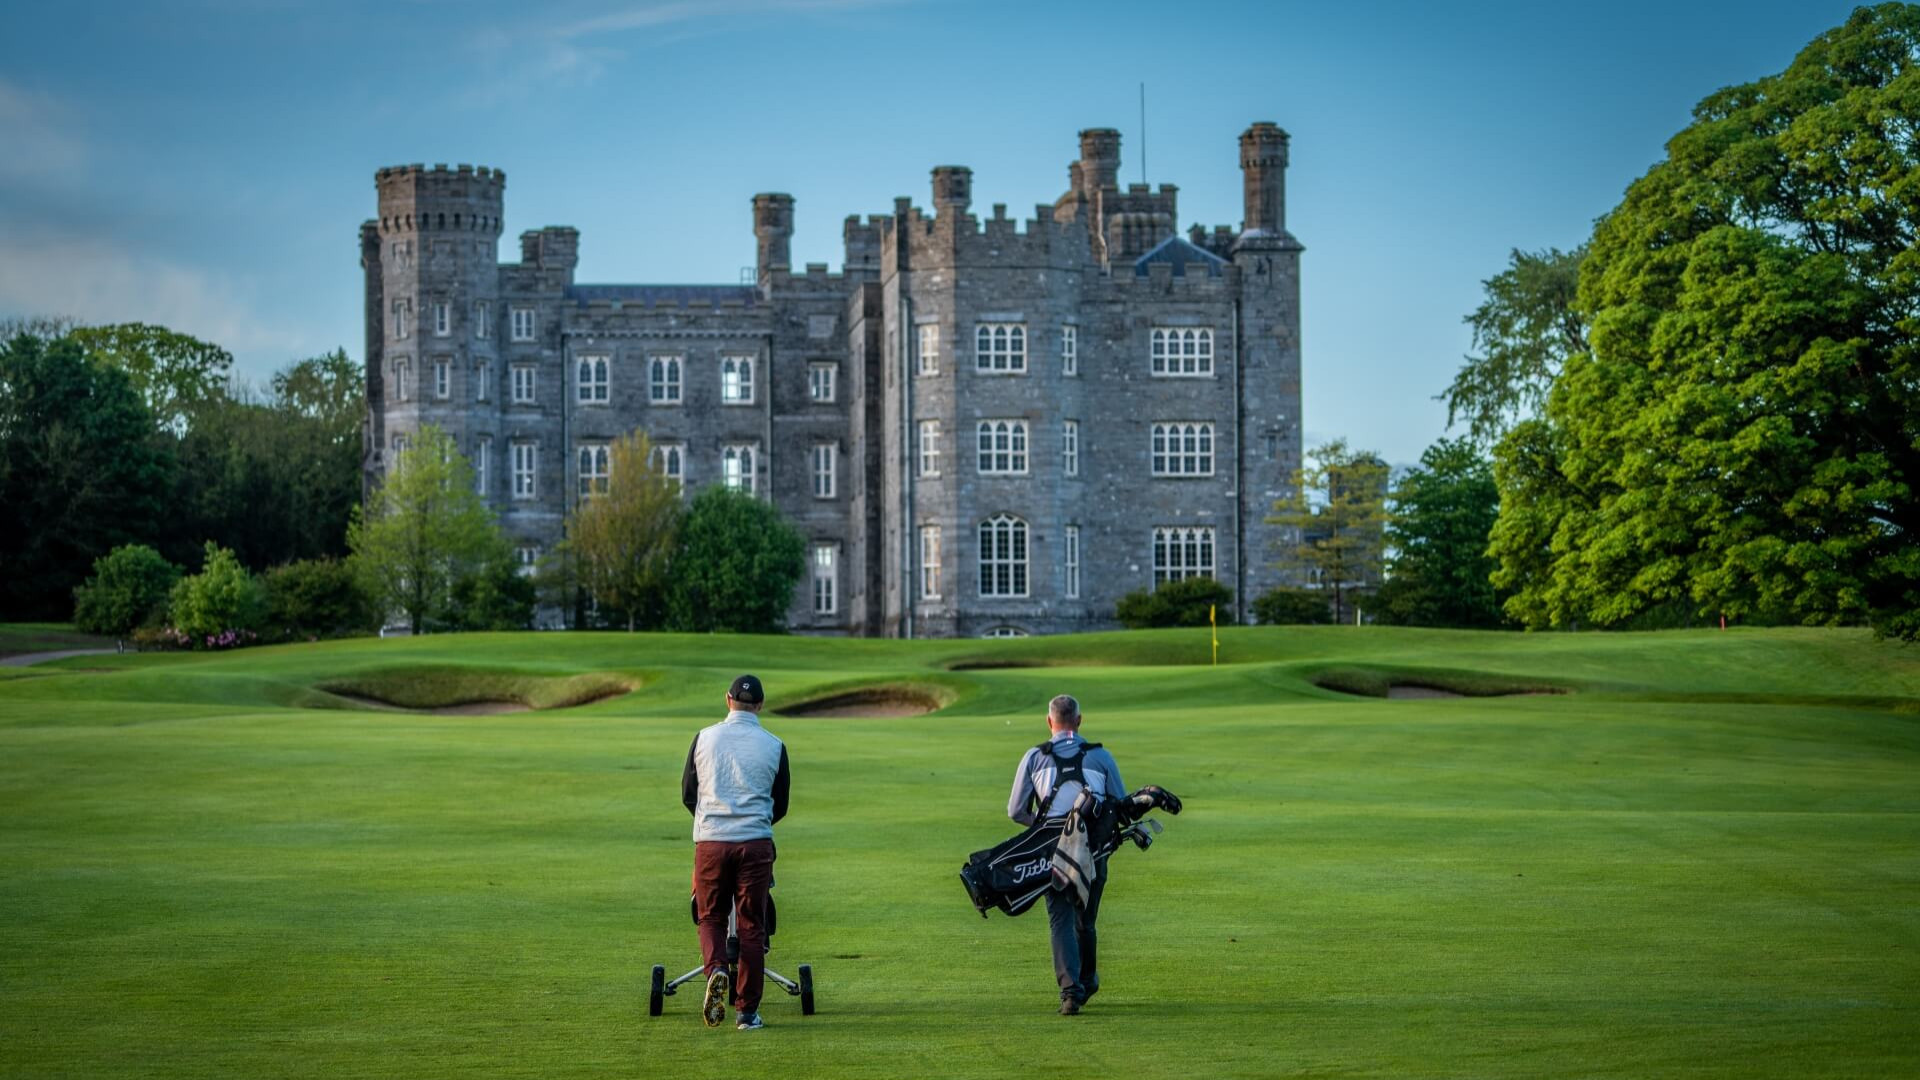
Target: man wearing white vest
735, 785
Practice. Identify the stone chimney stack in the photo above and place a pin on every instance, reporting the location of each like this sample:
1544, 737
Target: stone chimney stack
952, 190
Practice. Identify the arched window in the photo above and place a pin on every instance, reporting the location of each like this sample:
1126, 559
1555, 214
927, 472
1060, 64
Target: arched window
736, 380
1000, 348
594, 471
1002, 446
592, 381
1179, 351
1003, 556
1182, 449
736, 467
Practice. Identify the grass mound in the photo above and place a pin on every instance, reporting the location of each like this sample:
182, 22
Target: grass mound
891, 699
471, 689
1390, 682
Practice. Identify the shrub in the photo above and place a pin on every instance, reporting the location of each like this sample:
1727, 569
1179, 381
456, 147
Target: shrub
495, 596
1291, 607
317, 598
128, 589
1176, 603
219, 607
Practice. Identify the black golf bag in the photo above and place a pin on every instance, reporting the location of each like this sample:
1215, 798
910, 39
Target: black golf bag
1016, 873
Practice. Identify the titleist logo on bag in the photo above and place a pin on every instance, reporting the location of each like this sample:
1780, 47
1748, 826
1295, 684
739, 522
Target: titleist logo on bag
1023, 871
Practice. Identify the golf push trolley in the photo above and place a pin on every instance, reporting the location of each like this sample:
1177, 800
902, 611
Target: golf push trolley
801, 988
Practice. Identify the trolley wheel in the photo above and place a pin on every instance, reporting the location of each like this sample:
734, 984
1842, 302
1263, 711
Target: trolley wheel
806, 989
657, 996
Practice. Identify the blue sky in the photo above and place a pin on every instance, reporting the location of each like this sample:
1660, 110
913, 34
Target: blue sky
206, 164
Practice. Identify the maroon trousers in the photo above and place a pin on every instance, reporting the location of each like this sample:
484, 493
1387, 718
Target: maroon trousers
734, 875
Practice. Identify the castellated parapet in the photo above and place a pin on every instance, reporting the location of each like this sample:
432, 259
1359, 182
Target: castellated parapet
984, 423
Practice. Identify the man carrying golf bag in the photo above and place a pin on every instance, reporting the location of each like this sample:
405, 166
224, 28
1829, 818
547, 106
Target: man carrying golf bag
1051, 777
735, 786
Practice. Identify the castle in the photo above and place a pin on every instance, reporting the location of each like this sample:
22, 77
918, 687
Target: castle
982, 427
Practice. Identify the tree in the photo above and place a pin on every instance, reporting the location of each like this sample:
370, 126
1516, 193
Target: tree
129, 588
1291, 607
1337, 509
173, 372
223, 597
1525, 330
1441, 516
317, 598
624, 534
737, 565
80, 472
1187, 602
423, 531
1743, 434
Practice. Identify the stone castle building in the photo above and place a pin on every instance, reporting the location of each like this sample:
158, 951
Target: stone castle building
982, 426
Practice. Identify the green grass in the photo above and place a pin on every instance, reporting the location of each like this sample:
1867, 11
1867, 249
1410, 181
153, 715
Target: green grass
1704, 861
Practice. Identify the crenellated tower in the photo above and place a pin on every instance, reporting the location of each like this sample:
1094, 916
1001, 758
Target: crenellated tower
434, 311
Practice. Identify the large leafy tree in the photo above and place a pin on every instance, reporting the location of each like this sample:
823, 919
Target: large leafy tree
1743, 434
129, 587
1523, 334
1337, 510
425, 535
81, 472
174, 372
624, 535
1441, 514
738, 563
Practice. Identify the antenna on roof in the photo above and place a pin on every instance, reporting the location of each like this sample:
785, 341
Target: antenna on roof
1143, 133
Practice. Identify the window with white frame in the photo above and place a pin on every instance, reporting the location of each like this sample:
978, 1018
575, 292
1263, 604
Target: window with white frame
442, 318
1003, 446
400, 445
1182, 351
1070, 447
1069, 350
1004, 632
483, 319
523, 384
1182, 552
824, 600
929, 562
482, 460
1003, 556
595, 459
1000, 348
669, 460
736, 467
929, 349
483, 380
929, 448
1182, 448
820, 379
592, 380
401, 309
1072, 551
522, 323
401, 390
528, 556
736, 380
663, 379
443, 379
823, 462
526, 457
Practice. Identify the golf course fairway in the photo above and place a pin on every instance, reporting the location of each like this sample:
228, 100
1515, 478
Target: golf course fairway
1669, 854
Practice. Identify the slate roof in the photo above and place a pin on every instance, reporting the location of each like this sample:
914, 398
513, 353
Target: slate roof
1178, 253
668, 295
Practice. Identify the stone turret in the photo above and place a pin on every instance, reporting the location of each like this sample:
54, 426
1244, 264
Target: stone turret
1099, 160
772, 233
952, 190
1263, 168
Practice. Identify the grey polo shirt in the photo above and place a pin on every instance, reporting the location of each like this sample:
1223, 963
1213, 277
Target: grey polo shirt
1033, 780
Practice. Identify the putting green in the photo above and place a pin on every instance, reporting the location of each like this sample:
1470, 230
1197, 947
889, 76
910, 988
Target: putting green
1704, 860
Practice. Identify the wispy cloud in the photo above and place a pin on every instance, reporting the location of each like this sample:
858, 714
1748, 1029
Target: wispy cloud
676, 12
39, 134
96, 280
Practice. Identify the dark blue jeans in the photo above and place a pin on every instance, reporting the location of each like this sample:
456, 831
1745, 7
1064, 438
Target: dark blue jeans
1075, 944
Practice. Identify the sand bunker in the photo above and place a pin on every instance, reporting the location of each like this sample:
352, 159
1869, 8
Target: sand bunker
993, 665
470, 708
881, 701
1403, 692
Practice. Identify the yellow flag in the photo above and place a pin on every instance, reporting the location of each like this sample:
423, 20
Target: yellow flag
1213, 620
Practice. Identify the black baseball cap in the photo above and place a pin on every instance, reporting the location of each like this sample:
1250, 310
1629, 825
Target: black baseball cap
747, 689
